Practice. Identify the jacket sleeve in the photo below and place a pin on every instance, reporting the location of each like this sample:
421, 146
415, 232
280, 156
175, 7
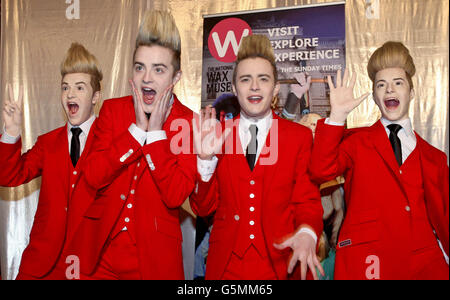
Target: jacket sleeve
205, 199
17, 169
111, 152
174, 173
330, 156
306, 196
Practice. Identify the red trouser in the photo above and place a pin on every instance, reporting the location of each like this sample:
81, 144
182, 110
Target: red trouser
118, 262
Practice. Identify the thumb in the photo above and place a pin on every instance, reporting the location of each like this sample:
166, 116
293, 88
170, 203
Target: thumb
362, 98
281, 246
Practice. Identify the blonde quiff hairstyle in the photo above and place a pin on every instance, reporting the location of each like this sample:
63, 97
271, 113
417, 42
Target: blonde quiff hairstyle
391, 55
80, 60
159, 28
254, 46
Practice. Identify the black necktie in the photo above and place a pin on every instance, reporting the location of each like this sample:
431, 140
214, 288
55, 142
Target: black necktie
395, 141
75, 145
252, 147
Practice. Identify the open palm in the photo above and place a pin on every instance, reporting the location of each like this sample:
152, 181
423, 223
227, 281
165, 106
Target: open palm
342, 100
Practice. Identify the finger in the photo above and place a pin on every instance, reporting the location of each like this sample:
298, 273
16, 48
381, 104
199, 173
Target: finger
330, 83
281, 246
345, 79
312, 268
292, 264
318, 265
362, 98
134, 90
352, 81
226, 133
303, 269
20, 99
338, 79
11, 94
169, 110
212, 113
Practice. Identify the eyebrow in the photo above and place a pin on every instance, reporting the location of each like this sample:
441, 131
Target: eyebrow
259, 75
384, 80
153, 65
81, 82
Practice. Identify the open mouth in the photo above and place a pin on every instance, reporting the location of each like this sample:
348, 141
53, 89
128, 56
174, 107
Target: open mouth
391, 103
73, 108
254, 99
148, 95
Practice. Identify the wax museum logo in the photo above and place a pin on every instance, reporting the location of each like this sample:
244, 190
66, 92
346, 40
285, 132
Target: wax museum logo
225, 38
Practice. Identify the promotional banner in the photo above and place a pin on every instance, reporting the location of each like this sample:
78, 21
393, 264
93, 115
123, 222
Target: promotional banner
309, 44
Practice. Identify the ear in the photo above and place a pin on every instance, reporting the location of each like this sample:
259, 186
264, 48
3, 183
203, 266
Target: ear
95, 97
412, 94
234, 89
276, 89
177, 77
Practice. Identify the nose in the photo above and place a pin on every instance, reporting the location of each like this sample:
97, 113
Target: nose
148, 78
255, 85
389, 88
70, 93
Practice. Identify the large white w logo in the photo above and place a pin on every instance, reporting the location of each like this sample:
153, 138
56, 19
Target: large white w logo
230, 38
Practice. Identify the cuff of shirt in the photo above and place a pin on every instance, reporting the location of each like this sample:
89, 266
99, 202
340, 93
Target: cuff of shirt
329, 122
138, 134
206, 168
7, 139
154, 136
310, 232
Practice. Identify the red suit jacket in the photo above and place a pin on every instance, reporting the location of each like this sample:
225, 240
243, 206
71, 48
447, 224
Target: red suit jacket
163, 185
375, 196
289, 198
50, 159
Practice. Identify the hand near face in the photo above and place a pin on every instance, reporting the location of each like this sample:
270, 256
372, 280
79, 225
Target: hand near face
141, 118
12, 112
161, 111
208, 136
304, 251
341, 97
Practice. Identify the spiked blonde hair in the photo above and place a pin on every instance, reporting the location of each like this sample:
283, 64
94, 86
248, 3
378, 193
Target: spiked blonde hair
391, 55
253, 46
79, 60
159, 28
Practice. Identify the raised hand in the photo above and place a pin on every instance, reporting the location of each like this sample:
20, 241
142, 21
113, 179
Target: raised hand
12, 112
304, 251
161, 110
341, 97
208, 136
141, 118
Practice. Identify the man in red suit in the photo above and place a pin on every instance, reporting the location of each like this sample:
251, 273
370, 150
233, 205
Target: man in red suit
141, 168
57, 156
396, 184
268, 214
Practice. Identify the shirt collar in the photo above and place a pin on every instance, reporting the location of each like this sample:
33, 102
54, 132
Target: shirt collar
405, 123
85, 127
263, 123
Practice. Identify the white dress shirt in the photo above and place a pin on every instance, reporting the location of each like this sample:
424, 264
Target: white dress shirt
85, 129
